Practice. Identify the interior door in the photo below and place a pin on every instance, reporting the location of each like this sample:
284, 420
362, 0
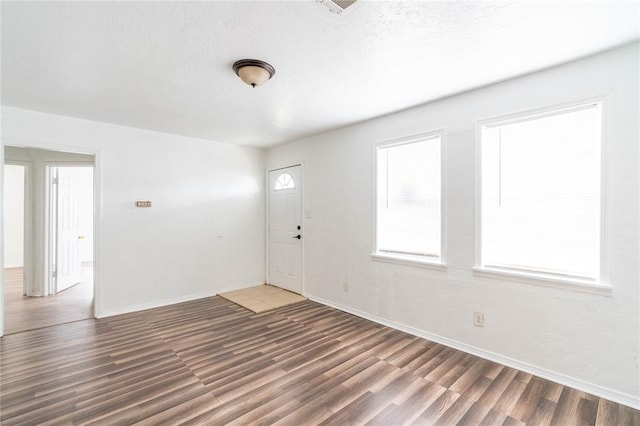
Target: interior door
285, 228
68, 265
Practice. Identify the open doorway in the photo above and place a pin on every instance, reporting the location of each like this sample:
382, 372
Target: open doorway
54, 284
70, 228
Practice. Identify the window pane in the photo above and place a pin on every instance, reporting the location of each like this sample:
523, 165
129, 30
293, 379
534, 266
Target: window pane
284, 181
408, 211
541, 194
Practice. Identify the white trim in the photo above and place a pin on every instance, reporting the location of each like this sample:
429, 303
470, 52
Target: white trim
537, 114
173, 301
443, 196
283, 167
97, 212
47, 287
552, 280
55, 147
556, 281
477, 258
541, 111
303, 224
591, 388
374, 200
2, 243
97, 232
410, 260
406, 260
267, 228
406, 140
27, 261
605, 192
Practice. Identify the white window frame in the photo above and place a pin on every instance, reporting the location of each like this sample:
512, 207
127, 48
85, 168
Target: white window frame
408, 259
599, 286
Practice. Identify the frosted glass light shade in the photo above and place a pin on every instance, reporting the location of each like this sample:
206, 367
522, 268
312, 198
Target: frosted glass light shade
254, 76
253, 72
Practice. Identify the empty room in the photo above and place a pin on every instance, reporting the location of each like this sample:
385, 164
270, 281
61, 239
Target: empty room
320, 212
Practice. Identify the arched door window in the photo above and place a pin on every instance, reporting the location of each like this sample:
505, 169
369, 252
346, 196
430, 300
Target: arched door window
284, 181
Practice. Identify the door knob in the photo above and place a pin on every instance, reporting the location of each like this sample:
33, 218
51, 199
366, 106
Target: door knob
297, 236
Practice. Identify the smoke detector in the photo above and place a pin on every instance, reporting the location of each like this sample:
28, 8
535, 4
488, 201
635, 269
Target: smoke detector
338, 6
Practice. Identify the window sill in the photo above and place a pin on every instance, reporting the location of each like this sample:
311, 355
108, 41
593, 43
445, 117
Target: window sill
416, 262
544, 281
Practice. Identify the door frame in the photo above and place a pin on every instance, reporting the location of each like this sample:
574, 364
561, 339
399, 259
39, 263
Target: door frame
268, 221
97, 213
27, 217
50, 252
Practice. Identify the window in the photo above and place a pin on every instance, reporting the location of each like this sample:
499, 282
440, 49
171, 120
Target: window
540, 194
284, 181
408, 198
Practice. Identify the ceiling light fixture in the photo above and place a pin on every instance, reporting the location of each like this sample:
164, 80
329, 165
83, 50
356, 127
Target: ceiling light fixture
253, 72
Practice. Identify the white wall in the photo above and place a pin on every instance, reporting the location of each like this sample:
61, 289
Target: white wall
199, 189
13, 215
590, 341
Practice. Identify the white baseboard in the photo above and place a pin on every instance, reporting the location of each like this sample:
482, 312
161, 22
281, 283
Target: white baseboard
600, 391
167, 302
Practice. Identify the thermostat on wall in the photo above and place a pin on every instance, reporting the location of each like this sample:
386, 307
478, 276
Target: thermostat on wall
143, 203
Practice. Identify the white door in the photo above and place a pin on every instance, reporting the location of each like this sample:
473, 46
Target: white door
67, 195
285, 229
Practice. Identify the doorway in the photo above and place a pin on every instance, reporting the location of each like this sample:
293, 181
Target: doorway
285, 228
54, 284
70, 226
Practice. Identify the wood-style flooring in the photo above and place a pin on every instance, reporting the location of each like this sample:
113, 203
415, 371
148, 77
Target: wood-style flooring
213, 362
27, 313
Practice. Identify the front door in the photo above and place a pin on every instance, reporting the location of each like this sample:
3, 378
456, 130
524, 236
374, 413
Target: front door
285, 228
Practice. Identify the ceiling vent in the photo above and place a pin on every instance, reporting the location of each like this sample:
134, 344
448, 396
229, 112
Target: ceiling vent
338, 6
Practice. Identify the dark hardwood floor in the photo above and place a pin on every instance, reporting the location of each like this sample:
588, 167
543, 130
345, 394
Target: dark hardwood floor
212, 362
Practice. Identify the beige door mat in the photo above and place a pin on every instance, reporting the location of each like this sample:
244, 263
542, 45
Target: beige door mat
262, 298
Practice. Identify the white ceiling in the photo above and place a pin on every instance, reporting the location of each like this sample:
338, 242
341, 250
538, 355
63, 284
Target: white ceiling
166, 66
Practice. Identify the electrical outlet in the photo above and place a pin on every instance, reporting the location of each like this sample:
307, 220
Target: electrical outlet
478, 319
345, 287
